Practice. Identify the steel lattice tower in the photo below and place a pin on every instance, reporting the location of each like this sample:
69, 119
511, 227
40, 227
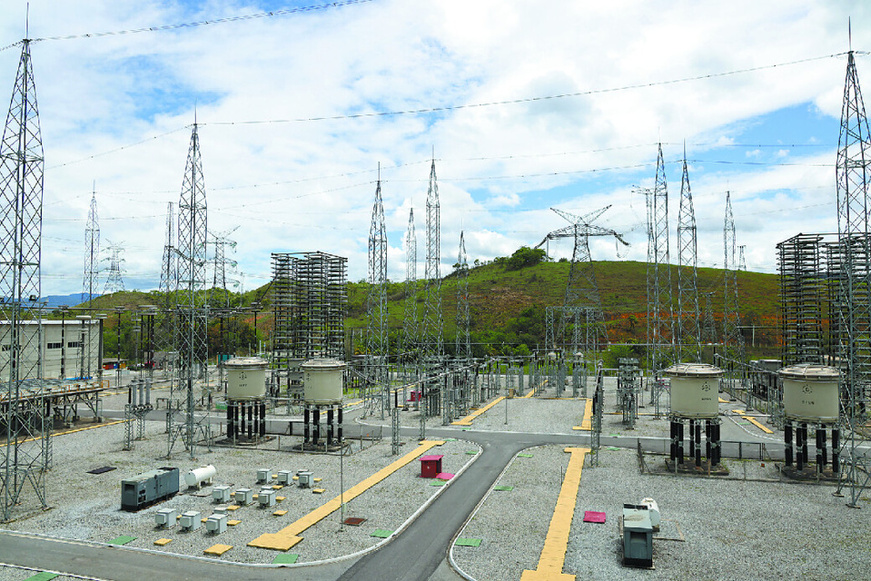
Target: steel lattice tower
376, 305
688, 332
854, 282
463, 345
733, 341
92, 252
409, 315
220, 241
114, 280
168, 272
25, 458
432, 333
660, 330
191, 309
582, 290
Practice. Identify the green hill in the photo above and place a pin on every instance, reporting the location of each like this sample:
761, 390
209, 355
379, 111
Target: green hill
507, 307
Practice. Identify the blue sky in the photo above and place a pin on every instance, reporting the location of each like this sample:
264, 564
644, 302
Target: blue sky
289, 162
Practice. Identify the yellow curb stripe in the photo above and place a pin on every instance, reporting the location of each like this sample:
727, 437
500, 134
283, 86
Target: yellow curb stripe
753, 421
467, 421
289, 535
553, 554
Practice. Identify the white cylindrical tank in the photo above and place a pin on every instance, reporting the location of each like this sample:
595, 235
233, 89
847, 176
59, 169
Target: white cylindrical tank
323, 381
695, 389
810, 393
246, 377
199, 475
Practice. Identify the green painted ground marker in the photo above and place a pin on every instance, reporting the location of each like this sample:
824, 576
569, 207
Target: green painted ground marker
381, 533
437, 483
42, 576
524, 455
122, 540
287, 559
472, 452
461, 542
503, 487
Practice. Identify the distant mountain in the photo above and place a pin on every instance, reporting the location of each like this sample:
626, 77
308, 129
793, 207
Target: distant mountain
72, 300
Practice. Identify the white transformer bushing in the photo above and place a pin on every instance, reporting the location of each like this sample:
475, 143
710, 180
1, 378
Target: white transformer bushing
323, 382
197, 476
246, 378
695, 390
810, 393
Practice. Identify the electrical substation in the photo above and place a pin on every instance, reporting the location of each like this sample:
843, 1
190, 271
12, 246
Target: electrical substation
284, 453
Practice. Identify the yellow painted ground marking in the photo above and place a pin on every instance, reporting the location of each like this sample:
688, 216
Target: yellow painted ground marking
753, 421
277, 487
203, 519
319, 490
162, 542
233, 507
233, 522
279, 513
467, 421
3, 445
279, 498
587, 420
553, 554
723, 400
317, 479
218, 549
530, 394
289, 535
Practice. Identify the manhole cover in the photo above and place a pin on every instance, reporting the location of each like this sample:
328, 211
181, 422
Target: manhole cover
101, 470
354, 521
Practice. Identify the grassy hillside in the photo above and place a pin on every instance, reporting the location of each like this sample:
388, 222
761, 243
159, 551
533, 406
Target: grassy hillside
507, 307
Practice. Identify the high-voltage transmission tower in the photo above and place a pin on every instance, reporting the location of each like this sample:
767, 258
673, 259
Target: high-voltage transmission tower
432, 331
114, 278
409, 315
92, 252
688, 330
660, 328
220, 264
25, 457
191, 308
168, 285
582, 291
733, 341
377, 346
854, 283
463, 345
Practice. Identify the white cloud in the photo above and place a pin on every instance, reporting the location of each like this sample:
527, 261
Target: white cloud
309, 185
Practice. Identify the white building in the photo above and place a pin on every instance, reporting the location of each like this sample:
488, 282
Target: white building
69, 349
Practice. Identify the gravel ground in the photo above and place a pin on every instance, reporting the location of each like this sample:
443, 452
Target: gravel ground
734, 527
731, 528
87, 507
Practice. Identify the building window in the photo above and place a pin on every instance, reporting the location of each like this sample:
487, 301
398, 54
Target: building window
74, 344
54, 345
7, 347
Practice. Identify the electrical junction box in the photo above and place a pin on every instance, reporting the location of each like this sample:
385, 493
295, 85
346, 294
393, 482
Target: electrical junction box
637, 536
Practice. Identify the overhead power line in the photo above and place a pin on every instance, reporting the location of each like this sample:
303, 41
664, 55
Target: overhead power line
165, 27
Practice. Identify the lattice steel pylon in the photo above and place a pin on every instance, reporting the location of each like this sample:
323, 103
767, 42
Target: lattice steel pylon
220, 263
660, 312
582, 291
854, 283
377, 346
432, 331
191, 307
688, 331
463, 342
25, 458
733, 341
115, 276
410, 311
92, 252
